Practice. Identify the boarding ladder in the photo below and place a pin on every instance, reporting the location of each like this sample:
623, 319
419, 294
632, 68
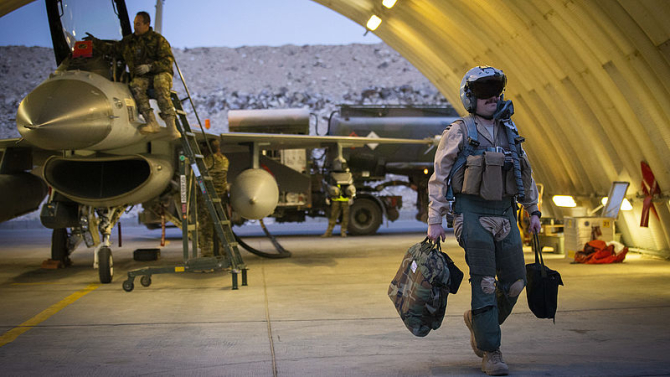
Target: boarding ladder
194, 176
204, 182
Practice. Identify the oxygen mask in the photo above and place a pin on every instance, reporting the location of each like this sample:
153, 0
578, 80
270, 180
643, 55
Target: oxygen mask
505, 110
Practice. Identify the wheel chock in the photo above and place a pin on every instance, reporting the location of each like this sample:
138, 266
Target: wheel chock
51, 264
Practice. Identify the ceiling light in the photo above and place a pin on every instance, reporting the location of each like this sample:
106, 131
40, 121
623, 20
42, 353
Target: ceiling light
373, 23
389, 3
625, 205
564, 201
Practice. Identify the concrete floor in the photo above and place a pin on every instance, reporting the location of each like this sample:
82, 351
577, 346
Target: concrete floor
323, 312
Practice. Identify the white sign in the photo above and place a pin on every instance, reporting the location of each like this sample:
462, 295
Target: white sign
373, 145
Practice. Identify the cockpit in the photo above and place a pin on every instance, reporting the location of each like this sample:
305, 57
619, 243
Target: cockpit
73, 21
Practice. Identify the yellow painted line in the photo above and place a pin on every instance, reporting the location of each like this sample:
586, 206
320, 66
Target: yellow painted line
179, 269
14, 333
42, 283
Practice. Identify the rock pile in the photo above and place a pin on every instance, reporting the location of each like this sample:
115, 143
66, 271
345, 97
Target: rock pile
259, 77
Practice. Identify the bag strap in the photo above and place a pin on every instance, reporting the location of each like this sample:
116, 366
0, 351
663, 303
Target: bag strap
538, 253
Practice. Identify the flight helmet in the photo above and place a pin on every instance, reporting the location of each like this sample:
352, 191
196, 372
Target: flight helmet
481, 82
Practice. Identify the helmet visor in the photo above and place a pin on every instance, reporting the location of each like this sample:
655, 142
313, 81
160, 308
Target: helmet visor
488, 87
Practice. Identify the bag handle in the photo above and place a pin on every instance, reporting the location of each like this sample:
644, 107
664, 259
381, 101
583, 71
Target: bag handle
438, 246
535, 243
437, 243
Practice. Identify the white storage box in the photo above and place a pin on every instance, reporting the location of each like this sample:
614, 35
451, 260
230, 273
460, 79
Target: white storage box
580, 230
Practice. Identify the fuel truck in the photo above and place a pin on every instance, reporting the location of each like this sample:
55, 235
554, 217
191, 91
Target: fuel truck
301, 172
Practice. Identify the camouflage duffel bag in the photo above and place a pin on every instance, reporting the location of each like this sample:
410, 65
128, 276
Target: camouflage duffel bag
420, 287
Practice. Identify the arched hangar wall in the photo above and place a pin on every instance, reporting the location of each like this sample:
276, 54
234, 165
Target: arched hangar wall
590, 81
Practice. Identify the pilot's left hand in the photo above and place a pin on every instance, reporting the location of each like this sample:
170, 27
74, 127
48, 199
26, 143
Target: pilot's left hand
535, 225
142, 69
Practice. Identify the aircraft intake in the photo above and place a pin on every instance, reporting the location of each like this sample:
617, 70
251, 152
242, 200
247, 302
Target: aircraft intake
65, 113
254, 194
109, 181
21, 193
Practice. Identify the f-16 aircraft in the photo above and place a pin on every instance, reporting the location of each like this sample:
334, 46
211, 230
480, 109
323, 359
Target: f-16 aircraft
80, 144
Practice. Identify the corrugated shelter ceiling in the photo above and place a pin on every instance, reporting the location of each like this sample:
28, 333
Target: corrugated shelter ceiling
590, 81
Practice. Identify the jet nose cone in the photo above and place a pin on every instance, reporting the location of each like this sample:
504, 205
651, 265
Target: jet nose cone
64, 114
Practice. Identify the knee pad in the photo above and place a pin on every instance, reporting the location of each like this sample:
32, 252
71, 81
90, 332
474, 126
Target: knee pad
488, 285
516, 288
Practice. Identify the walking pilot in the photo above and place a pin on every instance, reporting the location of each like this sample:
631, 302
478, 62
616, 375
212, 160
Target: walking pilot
481, 167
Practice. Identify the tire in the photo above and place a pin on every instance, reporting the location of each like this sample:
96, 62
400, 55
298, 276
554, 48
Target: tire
365, 216
59, 251
145, 280
105, 265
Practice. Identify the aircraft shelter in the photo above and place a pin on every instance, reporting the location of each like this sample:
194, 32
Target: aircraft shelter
590, 81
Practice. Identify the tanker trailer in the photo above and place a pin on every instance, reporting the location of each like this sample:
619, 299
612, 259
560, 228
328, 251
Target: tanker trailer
370, 165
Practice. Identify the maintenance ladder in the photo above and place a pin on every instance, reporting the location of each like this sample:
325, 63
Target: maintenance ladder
194, 176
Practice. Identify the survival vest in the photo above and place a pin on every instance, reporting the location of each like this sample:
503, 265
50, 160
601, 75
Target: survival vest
489, 171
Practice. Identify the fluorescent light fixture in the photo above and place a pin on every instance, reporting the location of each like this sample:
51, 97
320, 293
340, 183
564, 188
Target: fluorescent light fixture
389, 3
564, 201
625, 205
373, 23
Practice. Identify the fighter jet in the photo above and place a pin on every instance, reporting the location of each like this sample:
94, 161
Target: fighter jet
80, 144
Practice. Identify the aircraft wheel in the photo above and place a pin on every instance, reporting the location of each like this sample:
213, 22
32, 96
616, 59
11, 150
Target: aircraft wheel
128, 286
105, 265
145, 280
365, 216
59, 251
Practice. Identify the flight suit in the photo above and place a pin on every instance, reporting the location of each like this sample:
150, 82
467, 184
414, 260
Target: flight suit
488, 232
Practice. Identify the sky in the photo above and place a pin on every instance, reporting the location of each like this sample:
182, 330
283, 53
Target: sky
209, 23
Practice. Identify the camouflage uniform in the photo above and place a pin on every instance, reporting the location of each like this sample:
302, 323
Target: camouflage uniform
150, 48
217, 165
153, 49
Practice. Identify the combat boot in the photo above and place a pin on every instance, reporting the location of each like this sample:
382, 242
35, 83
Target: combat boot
151, 126
171, 126
467, 317
329, 232
493, 364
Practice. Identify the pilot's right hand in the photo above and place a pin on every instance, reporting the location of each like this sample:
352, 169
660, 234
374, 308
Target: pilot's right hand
436, 231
